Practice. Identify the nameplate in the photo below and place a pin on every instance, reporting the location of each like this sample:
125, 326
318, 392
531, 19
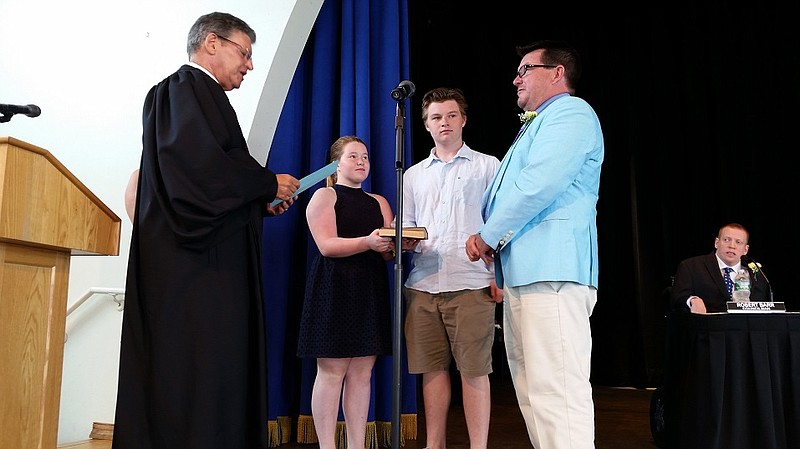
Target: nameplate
756, 307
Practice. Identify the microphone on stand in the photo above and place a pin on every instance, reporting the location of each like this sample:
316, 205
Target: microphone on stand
403, 90
747, 260
8, 110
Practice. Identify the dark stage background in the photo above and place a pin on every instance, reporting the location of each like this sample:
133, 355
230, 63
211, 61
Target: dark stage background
699, 112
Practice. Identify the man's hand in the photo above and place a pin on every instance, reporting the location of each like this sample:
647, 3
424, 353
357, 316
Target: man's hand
280, 207
697, 305
478, 249
497, 293
287, 186
409, 244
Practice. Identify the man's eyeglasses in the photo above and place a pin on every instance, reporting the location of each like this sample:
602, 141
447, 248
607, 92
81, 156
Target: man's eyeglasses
248, 55
524, 69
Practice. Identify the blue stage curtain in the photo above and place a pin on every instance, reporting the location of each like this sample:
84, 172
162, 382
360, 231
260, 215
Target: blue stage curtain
356, 54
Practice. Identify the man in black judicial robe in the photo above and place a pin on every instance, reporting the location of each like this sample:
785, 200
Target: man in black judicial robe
192, 358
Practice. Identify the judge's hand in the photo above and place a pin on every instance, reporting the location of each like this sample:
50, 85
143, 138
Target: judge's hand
279, 208
287, 186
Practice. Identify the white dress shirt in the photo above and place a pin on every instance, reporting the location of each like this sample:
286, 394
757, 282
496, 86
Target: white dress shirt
445, 197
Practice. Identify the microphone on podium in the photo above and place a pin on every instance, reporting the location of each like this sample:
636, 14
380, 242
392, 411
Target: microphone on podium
8, 110
403, 90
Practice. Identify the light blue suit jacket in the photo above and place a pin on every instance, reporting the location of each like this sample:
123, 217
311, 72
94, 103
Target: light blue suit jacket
540, 209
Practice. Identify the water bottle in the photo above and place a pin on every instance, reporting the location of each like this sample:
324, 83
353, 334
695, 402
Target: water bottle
741, 286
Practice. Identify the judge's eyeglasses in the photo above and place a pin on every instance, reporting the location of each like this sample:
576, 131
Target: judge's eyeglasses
248, 55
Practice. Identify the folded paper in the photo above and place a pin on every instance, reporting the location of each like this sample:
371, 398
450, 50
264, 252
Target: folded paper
312, 179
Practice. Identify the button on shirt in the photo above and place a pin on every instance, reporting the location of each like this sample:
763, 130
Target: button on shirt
446, 197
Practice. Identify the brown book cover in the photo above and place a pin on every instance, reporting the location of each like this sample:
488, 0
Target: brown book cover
410, 232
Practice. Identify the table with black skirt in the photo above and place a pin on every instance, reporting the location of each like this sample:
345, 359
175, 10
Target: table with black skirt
732, 381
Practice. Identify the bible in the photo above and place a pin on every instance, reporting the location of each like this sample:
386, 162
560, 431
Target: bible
412, 232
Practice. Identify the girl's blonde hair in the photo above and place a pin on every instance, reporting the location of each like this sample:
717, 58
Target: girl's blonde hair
335, 152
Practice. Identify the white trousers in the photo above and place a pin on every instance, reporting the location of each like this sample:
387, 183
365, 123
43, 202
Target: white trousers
548, 342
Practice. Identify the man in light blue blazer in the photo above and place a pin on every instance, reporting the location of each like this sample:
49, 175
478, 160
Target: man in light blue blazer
540, 231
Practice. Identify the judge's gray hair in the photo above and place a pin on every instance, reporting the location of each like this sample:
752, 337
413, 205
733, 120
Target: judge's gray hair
220, 23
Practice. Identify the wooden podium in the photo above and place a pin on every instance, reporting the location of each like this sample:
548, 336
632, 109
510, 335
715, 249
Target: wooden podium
46, 216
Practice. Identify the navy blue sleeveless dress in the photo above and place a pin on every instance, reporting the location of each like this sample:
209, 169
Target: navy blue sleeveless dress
346, 310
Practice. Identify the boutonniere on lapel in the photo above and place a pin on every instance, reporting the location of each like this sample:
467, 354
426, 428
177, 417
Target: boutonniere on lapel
527, 116
755, 267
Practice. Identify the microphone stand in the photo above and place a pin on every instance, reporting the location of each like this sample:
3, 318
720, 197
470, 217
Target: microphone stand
771, 299
398, 279
747, 260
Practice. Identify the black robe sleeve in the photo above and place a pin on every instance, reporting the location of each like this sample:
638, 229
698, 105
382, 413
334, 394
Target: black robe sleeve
195, 162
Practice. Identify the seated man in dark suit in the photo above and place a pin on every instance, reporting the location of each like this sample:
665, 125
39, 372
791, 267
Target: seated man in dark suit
699, 285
